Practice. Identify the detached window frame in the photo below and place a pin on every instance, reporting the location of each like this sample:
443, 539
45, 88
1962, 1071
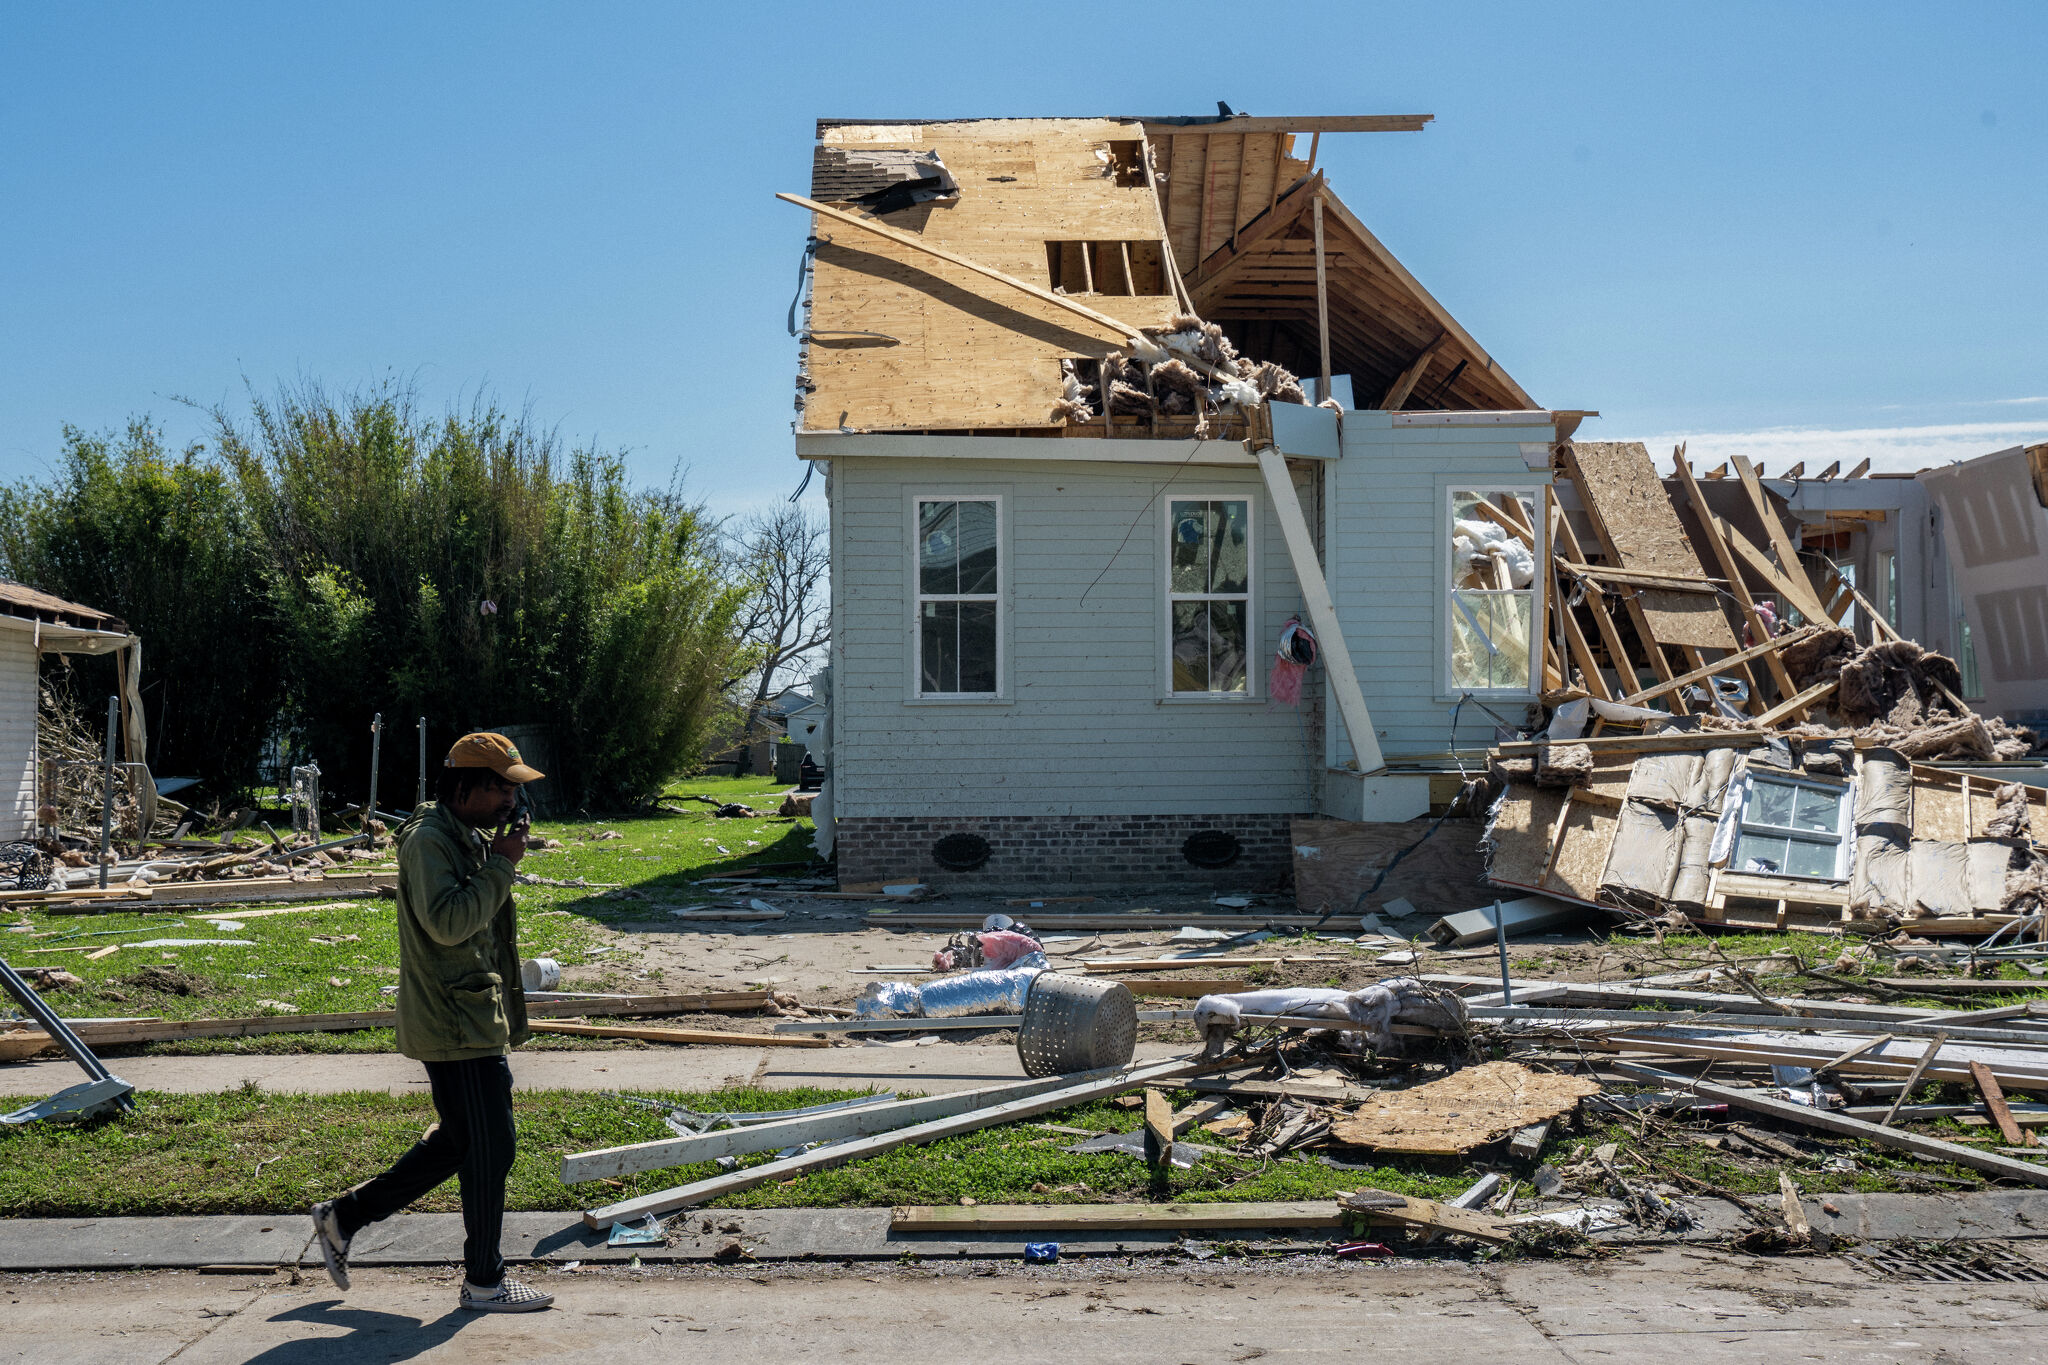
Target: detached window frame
1182, 601
1756, 834
975, 620
1478, 609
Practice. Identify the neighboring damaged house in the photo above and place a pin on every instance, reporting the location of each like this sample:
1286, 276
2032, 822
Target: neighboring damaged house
33, 624
1059, 375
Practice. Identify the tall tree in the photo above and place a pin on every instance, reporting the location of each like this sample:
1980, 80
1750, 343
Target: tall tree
788, 619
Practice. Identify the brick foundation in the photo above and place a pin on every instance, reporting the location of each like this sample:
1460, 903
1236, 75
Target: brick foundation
1051, 853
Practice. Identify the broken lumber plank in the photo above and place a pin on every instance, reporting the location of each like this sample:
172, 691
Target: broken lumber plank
1338, 675
1383, 1206
1616, 745
1251, 921
1143, 985
1857, 1051
912, 1022
1158, 1129
911, 1218
732, 1182
1527, 1143
173, 1030
1994, 1104
2026, 1070
863, 1121
674, 1035
1721, 665
1791, 576
1932, 1148
1795, 1215
1913, 1080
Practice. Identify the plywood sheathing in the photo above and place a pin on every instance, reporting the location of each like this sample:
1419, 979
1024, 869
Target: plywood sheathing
1635, 523
958, 351
1335, 860
1468, 1109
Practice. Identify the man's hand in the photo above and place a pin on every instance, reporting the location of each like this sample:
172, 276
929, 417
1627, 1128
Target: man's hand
510, 842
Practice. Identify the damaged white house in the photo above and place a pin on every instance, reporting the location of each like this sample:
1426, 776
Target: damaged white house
1172, 517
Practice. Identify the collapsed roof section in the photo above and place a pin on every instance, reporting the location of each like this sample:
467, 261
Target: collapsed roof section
955, 316
1724, 748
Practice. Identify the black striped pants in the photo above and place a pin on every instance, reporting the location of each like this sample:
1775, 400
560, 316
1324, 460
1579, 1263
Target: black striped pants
473, 1140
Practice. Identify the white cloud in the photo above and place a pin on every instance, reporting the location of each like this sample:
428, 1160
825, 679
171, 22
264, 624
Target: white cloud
1890, 450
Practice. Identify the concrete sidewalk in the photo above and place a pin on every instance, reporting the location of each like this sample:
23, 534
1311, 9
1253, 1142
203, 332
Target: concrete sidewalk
1689, 1305
832, 1235
933, 1069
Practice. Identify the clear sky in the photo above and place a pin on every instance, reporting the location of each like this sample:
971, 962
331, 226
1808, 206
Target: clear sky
1810, 228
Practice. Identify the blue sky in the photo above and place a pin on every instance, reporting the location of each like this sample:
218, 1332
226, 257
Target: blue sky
1775, 228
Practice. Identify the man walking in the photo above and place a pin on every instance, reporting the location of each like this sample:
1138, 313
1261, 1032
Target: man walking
461, 1009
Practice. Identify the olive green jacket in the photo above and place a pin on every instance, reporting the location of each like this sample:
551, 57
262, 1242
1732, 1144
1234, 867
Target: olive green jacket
459, 994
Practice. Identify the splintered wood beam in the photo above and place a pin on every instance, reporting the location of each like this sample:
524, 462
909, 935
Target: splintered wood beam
1322, 611
1799, 705
1567, 544
1124, 332
1576, 643
1774, 529
1720, 665
1178, 285
1796, 588
1862, 468
1759, 629
731, 1182
1809, 1117
1322, 301
1318, 124
1397, 393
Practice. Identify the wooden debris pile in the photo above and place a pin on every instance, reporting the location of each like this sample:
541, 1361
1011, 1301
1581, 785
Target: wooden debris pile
1722, 749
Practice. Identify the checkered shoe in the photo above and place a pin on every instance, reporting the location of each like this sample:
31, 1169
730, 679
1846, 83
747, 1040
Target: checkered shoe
508, 1297
333, 1246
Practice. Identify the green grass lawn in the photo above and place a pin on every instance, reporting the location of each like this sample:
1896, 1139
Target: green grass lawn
256, 1152
251, 1151
337, 957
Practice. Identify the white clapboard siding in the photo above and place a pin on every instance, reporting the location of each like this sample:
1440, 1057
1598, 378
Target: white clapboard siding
1386, 544
1083, 729
17, 734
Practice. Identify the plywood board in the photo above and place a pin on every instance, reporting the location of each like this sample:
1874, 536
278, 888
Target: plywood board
1334, 860
1522, 831
957, 350
1467, 1109
1588, 836
1636, 524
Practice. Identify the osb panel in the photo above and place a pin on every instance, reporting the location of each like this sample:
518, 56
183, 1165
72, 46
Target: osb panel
1588, 836
959, 350
1938, 806
1638, 527
1937, 812
1334, 860
1521, 835
1611, 780
1467, 1109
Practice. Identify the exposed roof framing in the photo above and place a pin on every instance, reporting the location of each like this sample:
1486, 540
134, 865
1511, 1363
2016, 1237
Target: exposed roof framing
900, 342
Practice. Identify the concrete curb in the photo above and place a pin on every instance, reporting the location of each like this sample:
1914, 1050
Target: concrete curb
706, 1235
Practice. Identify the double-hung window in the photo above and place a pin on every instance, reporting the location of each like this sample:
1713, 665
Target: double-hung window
1792, 828
1492, 591
959, 598
1209, 595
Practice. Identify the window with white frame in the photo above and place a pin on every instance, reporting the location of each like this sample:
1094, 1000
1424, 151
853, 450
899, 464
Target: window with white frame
1492, 590
1792, 828
1209, 594
959, 601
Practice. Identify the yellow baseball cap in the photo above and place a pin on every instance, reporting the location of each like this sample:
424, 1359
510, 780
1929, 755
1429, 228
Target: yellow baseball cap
488, 749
